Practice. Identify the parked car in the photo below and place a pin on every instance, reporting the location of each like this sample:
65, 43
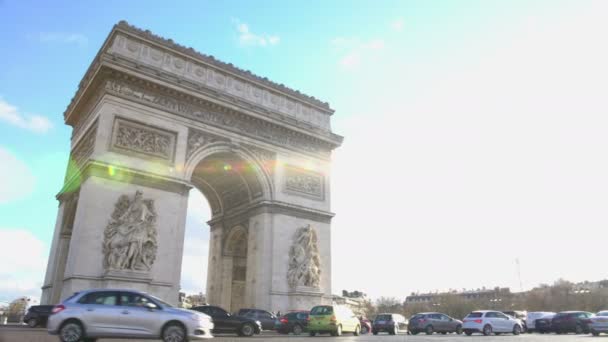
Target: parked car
293, 322
490, 322
521, 315
366, 325
532, 317
571, 321
109, 313
390, 323
267, 319
430, 322
543, 325
224, 322
599, 323
332, 319
37, 315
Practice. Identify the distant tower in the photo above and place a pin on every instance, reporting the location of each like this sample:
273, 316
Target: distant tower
521, 288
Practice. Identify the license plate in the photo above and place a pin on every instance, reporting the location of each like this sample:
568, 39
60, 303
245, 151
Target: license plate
381, 322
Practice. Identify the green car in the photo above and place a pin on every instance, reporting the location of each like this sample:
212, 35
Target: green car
333, 320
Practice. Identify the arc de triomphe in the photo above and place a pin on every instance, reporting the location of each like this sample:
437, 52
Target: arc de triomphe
152, 119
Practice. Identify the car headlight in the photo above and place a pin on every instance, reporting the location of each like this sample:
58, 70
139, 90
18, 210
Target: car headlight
197, 317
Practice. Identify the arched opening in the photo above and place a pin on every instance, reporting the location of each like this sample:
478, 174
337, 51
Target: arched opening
230, 182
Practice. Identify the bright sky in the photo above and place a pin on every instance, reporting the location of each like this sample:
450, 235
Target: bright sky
475, 131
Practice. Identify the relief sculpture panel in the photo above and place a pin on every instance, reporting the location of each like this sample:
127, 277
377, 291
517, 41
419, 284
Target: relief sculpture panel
304, 182
137, 138
130, 236
304, 259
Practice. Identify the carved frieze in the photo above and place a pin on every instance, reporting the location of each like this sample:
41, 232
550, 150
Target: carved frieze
215, 78
143, 140
304, 259
301, 181
130, 236
226, 119
198, 139
267, 158
85, 146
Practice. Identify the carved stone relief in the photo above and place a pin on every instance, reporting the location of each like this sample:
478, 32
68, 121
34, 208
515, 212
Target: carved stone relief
302, 181
85, 146
70, 205
198, 139
304, 259
133, 137
266, 158
130, 236
234, 121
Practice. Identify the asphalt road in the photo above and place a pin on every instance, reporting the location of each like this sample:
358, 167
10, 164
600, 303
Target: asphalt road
25, 334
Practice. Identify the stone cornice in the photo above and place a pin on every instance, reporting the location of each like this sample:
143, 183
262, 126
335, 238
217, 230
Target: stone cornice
102, 170
276, 97
277, 207
151, 93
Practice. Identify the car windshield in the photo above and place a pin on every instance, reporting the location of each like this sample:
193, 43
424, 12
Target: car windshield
383, 318
322, 310
475, 314
161, 302
602, 313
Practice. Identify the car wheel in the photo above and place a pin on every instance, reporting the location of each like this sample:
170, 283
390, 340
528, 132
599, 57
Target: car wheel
174, 332
364, 330
297, 329
595, 333
357, 331
487, 330
32, 322
312, 333
429, 330
374, 332
71, 331
579, 329
458, 330
414, 332
468, 333
247, 330
516, 329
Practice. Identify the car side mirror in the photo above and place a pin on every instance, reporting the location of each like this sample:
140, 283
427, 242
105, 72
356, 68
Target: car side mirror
151, 306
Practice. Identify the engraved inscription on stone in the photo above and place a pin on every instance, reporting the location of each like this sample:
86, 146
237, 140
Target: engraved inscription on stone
304, 259
130, 236
144, 140
303, 181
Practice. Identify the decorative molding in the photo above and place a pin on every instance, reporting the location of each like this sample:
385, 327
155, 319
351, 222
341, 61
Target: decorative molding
70, 204
131, 137
304, 182
218, 116
275, 207
197, 139
130, 237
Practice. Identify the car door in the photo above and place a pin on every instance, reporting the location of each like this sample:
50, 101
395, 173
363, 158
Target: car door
102, 313
446, 323
490, 318
506, 323
140, 314
266, 318
436, 322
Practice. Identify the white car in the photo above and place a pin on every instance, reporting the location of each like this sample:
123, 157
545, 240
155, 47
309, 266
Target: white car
599, 323
533, 316
490, 322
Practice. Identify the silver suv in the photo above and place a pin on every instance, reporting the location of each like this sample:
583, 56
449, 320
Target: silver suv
109, 313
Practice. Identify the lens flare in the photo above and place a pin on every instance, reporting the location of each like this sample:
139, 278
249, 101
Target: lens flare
111, 171
227, 167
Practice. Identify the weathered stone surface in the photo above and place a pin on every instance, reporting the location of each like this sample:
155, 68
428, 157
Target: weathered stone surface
151, 121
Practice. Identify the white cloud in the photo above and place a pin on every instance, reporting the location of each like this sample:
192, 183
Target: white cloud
398, 24
34, 123
17, 179
353, 51
63, 38
248, 38
24, 263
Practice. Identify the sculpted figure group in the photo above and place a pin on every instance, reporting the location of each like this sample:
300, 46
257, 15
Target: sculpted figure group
304, 259
130, 237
